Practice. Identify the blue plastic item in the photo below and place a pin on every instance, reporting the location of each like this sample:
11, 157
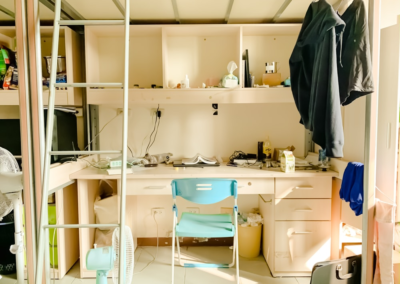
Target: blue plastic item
101, 260
205, 191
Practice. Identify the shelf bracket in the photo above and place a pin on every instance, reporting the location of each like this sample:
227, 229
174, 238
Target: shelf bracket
176, 13
120, 7
228, 12
281, 10
7, 12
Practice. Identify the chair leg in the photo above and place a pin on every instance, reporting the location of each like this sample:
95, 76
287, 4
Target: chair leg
179, 250
173, 255
237, 259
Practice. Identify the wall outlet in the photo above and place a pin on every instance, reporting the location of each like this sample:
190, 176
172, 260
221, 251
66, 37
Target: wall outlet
121, 110
195, 210
157, 211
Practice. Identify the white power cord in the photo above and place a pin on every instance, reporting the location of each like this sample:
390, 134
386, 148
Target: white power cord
154, 258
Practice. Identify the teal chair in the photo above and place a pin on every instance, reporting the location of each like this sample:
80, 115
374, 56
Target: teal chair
205, 191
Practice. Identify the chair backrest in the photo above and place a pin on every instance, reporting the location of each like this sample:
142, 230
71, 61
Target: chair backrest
204, 190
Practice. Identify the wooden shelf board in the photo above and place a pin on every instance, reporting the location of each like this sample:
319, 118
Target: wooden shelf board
192, 96
11, 97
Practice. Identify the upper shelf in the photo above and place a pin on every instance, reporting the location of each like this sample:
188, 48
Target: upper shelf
69, 46
192, 96
163, 55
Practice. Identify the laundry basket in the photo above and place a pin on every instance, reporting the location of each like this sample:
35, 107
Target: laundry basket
249, 240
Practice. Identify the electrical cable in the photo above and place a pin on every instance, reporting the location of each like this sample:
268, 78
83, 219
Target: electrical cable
102, 129
141, 147
130, 150
154, 258
155, 135
155, 125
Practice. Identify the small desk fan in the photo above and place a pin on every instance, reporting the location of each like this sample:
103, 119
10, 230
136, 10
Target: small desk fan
105, 259
11, 186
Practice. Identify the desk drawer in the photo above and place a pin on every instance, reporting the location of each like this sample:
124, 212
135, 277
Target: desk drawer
149, 187
312, 187
255, 186
302, 209
301, 244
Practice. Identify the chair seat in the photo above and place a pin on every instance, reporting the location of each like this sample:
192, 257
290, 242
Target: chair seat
205, 225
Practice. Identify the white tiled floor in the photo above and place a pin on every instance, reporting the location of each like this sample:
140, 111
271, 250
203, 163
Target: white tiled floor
252, 271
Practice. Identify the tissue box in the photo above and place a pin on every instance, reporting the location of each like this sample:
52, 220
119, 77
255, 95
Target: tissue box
272, 79
288, 162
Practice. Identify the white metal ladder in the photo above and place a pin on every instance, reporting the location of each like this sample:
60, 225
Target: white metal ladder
44, 226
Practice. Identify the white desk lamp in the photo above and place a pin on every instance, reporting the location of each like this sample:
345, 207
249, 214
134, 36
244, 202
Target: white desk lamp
11, 186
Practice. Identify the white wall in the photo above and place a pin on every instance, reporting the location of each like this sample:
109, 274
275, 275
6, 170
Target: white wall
390, 9
189, 129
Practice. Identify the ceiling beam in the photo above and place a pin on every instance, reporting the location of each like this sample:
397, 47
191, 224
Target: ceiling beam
228, 12
7, 12
67, 11
281, 10
120, 7
176, 13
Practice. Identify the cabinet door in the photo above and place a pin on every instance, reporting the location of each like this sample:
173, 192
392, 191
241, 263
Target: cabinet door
301, 244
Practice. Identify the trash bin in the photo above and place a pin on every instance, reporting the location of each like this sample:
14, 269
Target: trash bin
7, 259
249, 240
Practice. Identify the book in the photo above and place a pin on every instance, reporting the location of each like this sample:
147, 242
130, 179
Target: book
198, 159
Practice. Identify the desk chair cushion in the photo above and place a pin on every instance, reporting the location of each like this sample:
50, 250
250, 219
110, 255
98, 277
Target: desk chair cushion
205, 226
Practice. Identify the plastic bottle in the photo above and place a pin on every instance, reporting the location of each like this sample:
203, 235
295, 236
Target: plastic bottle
185, 83
267, 149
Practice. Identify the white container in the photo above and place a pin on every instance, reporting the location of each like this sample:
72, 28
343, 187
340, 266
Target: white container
185, 83
287, 162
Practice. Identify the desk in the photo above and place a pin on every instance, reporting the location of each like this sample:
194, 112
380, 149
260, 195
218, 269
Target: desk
299, 200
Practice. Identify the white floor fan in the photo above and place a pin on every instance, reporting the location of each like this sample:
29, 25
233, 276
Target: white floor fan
106, 258
11, 186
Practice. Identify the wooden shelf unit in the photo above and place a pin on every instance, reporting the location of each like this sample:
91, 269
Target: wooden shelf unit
164, 54
70, 46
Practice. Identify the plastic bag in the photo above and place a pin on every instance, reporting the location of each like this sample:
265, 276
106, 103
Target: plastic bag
103, 238
230, 80
106, 210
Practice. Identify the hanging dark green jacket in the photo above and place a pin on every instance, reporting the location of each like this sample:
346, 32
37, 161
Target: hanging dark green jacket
314, 77
355, 67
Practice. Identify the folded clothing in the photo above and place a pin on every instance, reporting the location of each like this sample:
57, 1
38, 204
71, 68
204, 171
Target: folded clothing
352, 189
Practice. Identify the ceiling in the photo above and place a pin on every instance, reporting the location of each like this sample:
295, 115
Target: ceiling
186, 11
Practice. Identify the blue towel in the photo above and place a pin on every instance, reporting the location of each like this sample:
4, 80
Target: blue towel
352, 189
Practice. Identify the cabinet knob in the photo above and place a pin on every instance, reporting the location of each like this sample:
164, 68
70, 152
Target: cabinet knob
249, 183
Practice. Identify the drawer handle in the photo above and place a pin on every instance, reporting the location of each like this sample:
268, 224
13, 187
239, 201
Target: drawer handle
304, 187
155, 187
303, 210
301, 233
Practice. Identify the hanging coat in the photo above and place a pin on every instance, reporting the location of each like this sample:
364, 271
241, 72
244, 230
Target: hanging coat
314, 77
355, 68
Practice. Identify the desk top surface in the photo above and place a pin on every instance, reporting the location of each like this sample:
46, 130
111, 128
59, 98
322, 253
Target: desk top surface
168, 171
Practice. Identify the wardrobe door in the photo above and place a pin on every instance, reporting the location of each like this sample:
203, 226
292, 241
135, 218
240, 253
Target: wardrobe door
388, 114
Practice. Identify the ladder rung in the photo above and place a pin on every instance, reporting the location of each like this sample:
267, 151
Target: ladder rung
77, 226
61, 153
90, 22
84, 85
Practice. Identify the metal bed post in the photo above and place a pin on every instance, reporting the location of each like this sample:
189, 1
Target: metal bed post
44, 226
124, 149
